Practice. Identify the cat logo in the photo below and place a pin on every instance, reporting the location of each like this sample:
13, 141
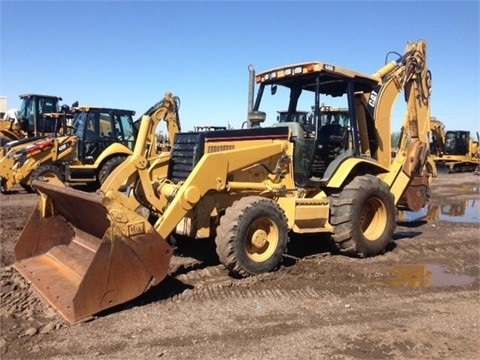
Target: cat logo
373, 99
137, 228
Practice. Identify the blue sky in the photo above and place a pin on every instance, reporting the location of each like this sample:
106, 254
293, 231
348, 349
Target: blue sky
127, 54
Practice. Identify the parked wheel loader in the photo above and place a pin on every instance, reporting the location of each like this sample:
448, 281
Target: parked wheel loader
98, 140
249, 189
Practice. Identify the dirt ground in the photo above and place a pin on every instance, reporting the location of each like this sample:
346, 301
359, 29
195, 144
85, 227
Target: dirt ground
420, 300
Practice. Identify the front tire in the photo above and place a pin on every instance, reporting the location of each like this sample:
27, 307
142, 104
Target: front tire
108, 167
363, 217
48, 173
252, 236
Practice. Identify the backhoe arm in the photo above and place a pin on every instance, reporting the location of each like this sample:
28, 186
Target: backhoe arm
410, 74
145, 147
407, 170
167, 110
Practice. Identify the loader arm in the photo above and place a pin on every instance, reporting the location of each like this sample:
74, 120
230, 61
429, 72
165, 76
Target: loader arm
210, 174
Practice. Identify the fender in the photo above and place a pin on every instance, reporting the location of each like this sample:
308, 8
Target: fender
114, 149
348, 166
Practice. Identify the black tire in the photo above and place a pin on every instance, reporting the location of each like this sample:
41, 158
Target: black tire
250, 218
4, 140
363, 217
44, 173
27, 188
3, 190
108, 167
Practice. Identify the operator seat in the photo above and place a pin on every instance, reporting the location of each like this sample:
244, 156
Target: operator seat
330, 142
330, 135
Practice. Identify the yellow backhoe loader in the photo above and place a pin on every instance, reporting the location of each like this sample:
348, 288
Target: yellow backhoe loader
31, 122
98, 140
87, 149
53, 124
248, 188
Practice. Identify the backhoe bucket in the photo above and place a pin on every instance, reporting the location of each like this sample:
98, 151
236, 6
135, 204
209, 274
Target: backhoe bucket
84, 253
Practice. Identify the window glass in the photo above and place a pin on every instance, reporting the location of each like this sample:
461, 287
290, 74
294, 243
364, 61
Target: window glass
79, 122
47, 106
105, 126
124, 129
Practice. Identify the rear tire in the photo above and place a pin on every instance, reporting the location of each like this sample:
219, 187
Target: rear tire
252, 236
108, 167
45, 173
363, 217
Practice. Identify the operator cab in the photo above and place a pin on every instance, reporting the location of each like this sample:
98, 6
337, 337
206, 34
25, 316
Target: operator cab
98, 128
334, 134
456, 142
32, 109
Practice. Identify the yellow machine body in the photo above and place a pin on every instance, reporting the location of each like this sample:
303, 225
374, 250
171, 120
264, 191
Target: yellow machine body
247, 188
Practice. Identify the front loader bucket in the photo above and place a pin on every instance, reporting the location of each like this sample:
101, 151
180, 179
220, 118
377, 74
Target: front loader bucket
84, 253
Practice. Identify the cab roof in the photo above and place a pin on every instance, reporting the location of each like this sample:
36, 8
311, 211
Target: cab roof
87, 108
297, 111
40, 95
332, 77
58, 115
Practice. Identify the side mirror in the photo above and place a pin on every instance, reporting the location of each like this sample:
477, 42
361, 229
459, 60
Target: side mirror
273, 89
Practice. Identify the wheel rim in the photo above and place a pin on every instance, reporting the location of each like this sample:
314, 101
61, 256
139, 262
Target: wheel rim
262, 239
373, 219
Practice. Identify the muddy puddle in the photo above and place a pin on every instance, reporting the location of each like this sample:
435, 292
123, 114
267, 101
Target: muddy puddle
467, 211
424, 276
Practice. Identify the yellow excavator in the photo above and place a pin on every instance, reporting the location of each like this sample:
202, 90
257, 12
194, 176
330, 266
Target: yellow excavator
454, 149
247, 188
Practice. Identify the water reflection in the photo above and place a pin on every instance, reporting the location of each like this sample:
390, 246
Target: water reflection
424, 276
458, 211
